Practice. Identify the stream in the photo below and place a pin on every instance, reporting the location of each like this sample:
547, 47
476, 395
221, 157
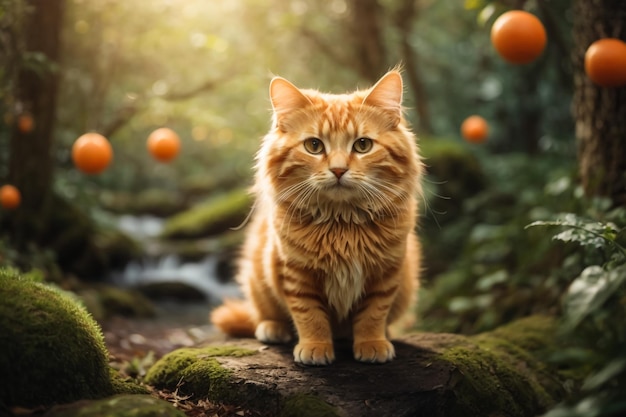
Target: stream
159, 267
178, 322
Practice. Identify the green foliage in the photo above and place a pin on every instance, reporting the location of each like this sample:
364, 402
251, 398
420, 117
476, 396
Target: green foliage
592, 303
586, 232
454, 174
591, 290
495, 269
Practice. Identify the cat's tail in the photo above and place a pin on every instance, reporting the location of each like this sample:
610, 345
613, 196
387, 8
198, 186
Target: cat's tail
234, 318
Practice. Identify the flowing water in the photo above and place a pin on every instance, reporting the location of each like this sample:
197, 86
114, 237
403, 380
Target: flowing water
159, 267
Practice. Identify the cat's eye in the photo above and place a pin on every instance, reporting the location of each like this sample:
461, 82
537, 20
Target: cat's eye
363, 145
314, 146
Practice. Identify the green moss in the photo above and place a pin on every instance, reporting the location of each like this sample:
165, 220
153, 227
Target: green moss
499, 372
156, 201
457, 170
125, 302
213, 217
454, 176
105, 301
207, 379
119, 406
125, 385
306, 405
528, 333
194, 372
51, 349
118, 248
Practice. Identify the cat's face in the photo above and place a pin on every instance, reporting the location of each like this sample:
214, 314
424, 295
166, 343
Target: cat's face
340, 150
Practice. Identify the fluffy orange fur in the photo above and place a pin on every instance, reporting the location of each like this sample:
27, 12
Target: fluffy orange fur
331, 250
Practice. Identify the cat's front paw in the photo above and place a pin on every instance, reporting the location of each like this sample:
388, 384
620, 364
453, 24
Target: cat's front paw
314, 353
272, 331
374, 351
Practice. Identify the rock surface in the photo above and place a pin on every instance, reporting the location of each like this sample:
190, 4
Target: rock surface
493, 374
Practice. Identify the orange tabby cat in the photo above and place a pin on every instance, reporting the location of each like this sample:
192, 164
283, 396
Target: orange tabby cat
331, 250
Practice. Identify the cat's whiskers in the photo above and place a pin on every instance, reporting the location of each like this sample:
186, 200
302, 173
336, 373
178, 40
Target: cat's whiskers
380, 192
302, 193
289, 191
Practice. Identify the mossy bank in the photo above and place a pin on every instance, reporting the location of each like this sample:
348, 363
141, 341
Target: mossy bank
51, 349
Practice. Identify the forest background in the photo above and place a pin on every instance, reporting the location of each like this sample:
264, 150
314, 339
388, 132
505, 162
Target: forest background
125, 68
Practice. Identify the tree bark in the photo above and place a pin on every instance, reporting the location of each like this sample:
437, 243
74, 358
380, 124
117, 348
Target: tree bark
600, 112
366, 30
31, 160
405, 17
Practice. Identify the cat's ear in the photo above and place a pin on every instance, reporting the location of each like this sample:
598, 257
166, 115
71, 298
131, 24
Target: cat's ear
387, 94
285, 96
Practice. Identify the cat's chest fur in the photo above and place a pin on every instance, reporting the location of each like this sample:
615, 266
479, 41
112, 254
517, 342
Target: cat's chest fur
340, 256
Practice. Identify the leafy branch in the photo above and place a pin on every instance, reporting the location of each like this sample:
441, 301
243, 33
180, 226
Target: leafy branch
589, 292
585, 232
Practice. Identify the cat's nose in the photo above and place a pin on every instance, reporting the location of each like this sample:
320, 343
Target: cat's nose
338, 172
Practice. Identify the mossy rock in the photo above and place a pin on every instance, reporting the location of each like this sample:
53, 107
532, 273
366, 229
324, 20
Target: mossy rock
455, 170
194, 371
178, 291
124, 302
203, 184
105, 301
154, 201
82, 247
118, 406
500, 373
125, 384
51, 349
213, 217
118, 248
196, 250
454, 176
509, 389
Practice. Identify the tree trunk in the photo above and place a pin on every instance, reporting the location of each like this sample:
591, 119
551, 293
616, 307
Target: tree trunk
366, 30
600, 112
31, 161
405, 17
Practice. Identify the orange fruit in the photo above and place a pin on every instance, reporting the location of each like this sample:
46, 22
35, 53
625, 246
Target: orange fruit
92, 153
25, 123
605, 62
518, 36
163, 144
475, 129
10, 197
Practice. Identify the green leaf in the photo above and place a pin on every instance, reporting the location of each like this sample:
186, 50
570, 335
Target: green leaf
474, 4
585, 232
590, 291
587, 407
495, 278
485, 14
606, 374
582, 237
